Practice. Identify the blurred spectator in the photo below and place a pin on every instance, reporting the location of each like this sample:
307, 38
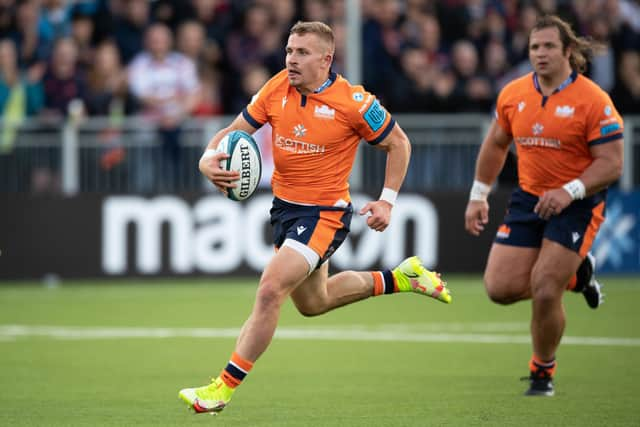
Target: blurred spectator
626, 93
337, 11
215, 16
210, 100
602, 69
20, 95
106, 93
166, 84
519, 49
252, 79
82, 33
496, 65
496, 28
413, 88
55, 19
382, 43
472, 91
63, 81
431, 42
257, 41
169, 12
129, 29
33, 45
315, 10
284, 15
192, 42
7, 11
339, 55
107, 96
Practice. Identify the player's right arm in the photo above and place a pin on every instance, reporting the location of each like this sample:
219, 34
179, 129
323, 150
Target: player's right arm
491, 158
210, 161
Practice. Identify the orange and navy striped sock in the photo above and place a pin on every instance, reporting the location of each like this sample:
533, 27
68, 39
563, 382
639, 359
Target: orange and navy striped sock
384, 283
541, 368
236, 370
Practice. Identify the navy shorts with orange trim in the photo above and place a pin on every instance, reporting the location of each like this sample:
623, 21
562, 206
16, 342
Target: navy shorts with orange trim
322, 228
574, 228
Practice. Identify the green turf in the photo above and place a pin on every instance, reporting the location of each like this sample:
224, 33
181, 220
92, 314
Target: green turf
134, 381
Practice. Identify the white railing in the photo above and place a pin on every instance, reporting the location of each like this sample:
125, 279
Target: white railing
126, 157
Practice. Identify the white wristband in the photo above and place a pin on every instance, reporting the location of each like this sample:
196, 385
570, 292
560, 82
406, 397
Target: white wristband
479, 191
209, 152
389, 196
576, 189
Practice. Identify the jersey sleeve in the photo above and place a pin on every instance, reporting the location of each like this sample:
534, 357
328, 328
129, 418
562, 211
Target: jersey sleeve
604, 123
370, 119
256, 112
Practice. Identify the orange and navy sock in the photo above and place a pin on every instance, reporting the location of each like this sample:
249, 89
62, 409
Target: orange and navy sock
540, 368
384, 283
236, 370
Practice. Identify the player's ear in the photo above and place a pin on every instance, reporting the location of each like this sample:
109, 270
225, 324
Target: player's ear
328, 57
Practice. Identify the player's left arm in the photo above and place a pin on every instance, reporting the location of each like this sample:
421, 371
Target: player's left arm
398, 149
605, 169
604, 135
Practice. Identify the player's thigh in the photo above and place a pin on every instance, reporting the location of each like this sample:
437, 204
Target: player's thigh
286, 270
311, 296
508, 272
556, 264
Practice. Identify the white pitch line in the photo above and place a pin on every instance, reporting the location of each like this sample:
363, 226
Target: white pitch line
10, 332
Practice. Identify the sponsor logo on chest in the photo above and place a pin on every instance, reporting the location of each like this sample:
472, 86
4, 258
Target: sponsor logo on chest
564, 111
324, 112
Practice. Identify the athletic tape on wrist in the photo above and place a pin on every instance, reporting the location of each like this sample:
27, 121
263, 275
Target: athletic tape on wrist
479, 191
389, 195
576, 189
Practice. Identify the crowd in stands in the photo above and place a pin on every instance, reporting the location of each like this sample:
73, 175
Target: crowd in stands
176, 58
168, 60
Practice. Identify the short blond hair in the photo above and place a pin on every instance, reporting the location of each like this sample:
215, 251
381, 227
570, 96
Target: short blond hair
318, 28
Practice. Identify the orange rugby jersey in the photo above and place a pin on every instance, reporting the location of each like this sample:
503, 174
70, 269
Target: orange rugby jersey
316, 136
553, 134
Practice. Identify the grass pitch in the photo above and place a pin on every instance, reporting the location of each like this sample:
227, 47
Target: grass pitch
116, 354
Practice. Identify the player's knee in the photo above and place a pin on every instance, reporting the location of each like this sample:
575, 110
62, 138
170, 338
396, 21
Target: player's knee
499, 292
544, 288
269, 294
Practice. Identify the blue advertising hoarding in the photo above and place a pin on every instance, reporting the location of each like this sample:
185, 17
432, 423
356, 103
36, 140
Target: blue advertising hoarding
617, 245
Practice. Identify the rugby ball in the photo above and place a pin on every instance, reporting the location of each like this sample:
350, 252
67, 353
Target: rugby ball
244, 157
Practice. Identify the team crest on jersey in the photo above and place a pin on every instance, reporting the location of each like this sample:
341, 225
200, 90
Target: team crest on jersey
564, 111
537, 129
324, 112
358, 96
521, 106
299, 130
607, 110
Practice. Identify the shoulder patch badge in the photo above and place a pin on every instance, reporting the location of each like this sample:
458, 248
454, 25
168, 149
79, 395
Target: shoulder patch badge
375, 115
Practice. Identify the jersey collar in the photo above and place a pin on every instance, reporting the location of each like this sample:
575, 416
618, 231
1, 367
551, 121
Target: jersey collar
327, 83
572, 78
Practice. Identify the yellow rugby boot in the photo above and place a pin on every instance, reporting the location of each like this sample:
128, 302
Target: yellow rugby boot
412, 276
210, 398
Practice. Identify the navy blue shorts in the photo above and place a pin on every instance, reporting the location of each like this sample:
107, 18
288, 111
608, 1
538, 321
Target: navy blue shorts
322, 228
574, 228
